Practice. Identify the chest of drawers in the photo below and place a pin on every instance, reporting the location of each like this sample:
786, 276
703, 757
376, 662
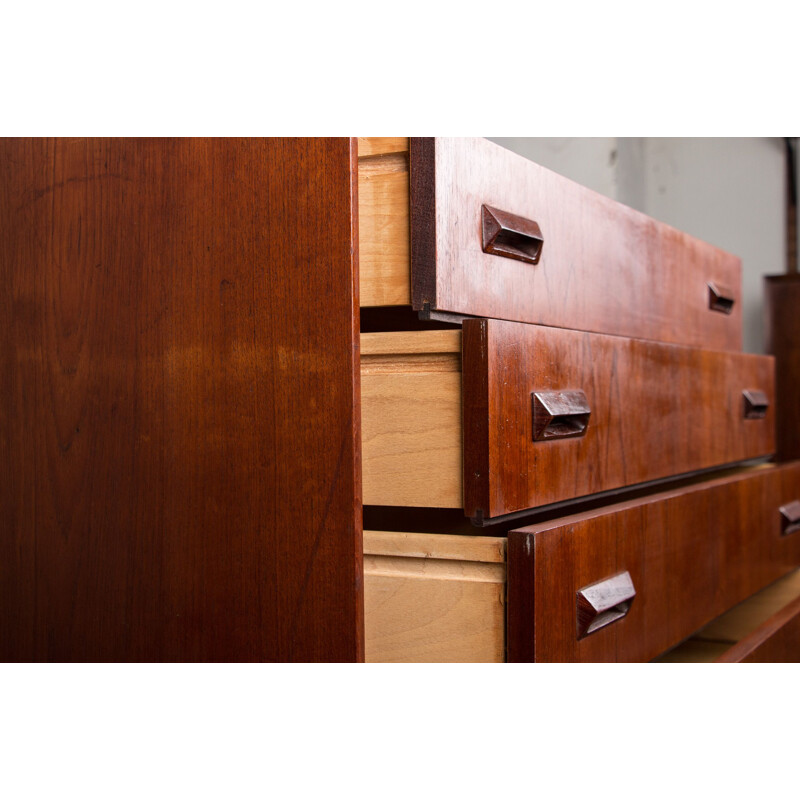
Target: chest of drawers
225, 358
596, 360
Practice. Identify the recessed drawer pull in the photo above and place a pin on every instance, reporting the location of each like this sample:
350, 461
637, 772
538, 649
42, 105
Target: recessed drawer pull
511, 236
756, 404
560, 414
720, 298
602, 603
790, 518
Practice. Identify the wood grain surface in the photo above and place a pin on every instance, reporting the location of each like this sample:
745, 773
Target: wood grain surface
434, 598
179, 419
691, 554
782, 294
657, 410
411, 418
381, 145
604, 267
384, 237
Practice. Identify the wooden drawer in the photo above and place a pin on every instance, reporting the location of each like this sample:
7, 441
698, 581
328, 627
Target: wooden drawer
777, 640
765, 627
656, 410
689, 555
430, 597
603, 267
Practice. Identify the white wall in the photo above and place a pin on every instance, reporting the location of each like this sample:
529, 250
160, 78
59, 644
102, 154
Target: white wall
589, 161
729, 192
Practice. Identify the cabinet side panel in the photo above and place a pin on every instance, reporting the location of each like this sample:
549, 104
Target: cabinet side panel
179, 374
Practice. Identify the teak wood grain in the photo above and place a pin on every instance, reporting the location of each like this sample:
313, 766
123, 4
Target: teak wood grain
180, 409
691, 554
431, 597
783, 341
603, 267
657, 410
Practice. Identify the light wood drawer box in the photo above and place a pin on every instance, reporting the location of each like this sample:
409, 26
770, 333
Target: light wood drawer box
430, 597
688, 555
655, 410
602, 267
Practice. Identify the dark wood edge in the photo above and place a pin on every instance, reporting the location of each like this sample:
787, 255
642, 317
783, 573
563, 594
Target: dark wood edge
422, 196
748, 646
645, 491
520, 624
475, 410
358, 528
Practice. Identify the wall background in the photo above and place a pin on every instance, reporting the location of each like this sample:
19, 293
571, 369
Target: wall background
730, 192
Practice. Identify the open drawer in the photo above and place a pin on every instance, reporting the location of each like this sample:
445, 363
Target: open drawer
466, 227
525, 416
628, 581
764, 628
624, 582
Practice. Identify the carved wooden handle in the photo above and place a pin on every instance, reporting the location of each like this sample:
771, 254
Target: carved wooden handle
756, 404
511, 236
560, 415
602, 603
720, 298
790, 518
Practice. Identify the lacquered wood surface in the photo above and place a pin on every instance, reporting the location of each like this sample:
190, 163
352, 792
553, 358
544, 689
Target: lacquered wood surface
179, 422
604, 267
657, 410
691, 554
777, 640
783, 341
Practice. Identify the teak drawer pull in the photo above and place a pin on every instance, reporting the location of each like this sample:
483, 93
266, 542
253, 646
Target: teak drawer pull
511, 236
602, 603
720, 298
790, 518
756, 404
559, 414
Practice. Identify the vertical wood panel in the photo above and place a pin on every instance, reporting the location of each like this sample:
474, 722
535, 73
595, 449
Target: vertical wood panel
179, 414
783, 341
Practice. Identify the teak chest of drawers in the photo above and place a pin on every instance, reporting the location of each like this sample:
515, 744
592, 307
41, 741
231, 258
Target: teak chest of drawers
223, 358
595, 350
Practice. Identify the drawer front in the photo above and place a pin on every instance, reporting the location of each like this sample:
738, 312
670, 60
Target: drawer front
551, 252
552, 414
627, 582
